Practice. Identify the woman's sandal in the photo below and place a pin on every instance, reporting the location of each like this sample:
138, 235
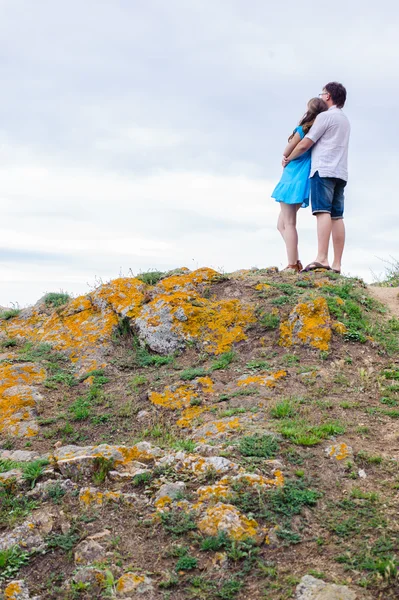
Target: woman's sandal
296, 268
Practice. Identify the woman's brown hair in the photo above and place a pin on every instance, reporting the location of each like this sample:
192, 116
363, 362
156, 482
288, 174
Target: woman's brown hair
315, 107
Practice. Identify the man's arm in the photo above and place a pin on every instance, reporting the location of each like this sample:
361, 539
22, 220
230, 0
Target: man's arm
318, 128
300, 149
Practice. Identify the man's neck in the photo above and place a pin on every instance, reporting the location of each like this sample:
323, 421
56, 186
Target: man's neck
332, 106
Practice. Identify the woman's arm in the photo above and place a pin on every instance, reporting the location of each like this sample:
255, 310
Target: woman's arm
292, 144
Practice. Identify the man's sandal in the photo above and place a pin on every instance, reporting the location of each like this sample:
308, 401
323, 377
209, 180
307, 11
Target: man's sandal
313, 266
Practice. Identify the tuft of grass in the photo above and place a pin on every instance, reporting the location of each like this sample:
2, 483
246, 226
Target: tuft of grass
185, 445
255, 365
215, 543
80, 409
10, 313
32, 471
269, 321
192, 373
144, 358
186, 563
11, 561
56, 299
102, 466
282, 410
223, 361
151, 277
301, 432
178, 522
264, 446
13, 508
9, 343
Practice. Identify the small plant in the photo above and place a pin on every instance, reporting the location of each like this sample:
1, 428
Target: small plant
137, 381
64, 541
9, 343
265, 446
10, 313
170, 582
56, 299
32, 471
269, 321
290, 360
185, 445
151, 277
178, 522
223, 361
283, 409
255, 365
186, 563
142, 479
102, 466
80, 409
192, 373
11, 561
215, 543
56, 492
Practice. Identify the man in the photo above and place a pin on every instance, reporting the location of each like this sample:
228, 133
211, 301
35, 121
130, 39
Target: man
329, 137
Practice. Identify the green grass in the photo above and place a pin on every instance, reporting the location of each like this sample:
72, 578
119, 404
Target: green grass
32, 471
101, 467
283, 409
186, 563
178, 522
192, 373
151, 277
264, 446
144, 358
9, 343
11, 561
10, 313
80, 409
223, 361
13, 508
269, 321
56, 299
301, 432
256, 365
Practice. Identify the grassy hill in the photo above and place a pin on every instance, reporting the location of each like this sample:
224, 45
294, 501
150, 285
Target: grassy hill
197, 435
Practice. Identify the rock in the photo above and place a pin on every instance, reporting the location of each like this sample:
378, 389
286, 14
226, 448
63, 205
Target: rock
143, 414
340, 452
77, 461
227, 518
92, 576
207, 450
89, 551
171, 490
100, 535
31, 533
362, 473
44, 489
13, 475
18, 590
311, 588
91, 496
308, 324
131, 582
19, 455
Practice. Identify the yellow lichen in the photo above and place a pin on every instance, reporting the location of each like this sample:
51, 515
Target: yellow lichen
226, 517
12, 590
340, 452
339, 328
264, 380
308, 323
188, 415
129, 582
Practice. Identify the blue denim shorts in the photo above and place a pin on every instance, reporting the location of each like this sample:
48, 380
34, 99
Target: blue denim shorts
327, 195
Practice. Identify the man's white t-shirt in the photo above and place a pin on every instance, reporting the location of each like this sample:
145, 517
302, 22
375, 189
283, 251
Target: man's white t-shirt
330, 134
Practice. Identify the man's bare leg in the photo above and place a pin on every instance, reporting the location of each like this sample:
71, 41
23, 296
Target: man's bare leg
324, 226
338, 238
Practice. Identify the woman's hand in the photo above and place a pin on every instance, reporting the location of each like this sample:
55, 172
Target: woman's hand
285, 161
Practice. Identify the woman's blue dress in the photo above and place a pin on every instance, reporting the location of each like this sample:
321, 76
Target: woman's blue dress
294, 185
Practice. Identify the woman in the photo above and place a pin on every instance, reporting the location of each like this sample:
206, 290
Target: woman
292, 191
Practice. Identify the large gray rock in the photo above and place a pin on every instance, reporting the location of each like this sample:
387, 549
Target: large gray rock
311, 588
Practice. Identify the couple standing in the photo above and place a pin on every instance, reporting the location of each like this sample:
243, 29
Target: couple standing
316, 164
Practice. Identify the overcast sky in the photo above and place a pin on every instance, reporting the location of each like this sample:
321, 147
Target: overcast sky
138, 135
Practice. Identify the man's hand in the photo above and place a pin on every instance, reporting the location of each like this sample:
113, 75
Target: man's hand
285, 161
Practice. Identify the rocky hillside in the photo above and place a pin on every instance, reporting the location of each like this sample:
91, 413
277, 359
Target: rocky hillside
192, 435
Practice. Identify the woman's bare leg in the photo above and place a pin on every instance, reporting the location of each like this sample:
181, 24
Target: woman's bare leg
287, 227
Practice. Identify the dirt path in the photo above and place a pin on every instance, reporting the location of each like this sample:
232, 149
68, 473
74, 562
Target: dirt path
388, 296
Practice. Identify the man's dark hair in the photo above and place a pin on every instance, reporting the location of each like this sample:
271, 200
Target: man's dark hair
337, 93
